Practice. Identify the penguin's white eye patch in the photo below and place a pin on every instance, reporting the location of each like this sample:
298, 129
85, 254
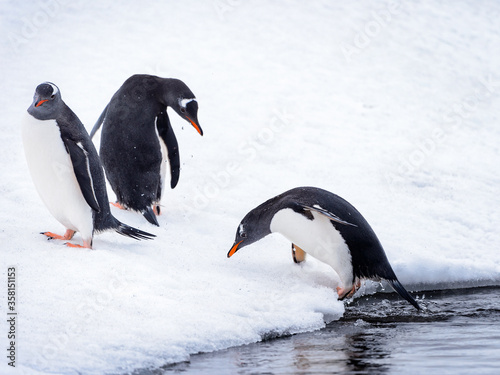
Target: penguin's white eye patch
184, 102
241, 231
55, 90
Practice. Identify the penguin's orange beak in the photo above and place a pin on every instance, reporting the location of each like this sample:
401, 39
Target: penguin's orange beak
196, 126
41, 102
234, 249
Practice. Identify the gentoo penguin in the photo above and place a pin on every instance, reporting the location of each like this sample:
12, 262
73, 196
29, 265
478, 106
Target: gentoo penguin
66, 170
328, 228
137, 138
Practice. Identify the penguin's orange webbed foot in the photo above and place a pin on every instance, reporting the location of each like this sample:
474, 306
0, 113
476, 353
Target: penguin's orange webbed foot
53, 236
343, 293
117, 205
298, 254
85, 245
69, 244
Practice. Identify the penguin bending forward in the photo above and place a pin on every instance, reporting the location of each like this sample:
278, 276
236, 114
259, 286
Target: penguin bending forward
66, 170
137, 138
329, 229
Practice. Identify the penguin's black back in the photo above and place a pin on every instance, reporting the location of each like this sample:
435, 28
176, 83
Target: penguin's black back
130, 125
71, 128
368, 257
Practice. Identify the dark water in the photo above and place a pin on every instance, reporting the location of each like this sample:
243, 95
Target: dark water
458, 333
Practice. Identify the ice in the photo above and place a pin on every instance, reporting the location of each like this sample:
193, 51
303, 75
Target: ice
393, 106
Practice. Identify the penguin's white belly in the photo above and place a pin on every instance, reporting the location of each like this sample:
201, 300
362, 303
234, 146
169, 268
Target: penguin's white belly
318, 238
52, 173
164, 163
164, 160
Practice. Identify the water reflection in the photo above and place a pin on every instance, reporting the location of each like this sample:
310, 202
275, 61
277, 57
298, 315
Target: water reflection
376, 336
367, 352
343, 347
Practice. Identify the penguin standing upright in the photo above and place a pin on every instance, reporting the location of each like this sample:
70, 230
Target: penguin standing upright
328, 228
66, 170
137, 139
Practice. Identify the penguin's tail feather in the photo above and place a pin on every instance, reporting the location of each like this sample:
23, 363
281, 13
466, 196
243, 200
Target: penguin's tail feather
150, 216
396, 285
136, 234
99, 122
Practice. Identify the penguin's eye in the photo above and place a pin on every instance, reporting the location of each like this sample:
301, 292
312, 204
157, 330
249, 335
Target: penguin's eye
243, 235
183, 109
52, 96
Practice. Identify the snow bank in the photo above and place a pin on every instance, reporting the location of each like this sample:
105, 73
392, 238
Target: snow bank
393, 106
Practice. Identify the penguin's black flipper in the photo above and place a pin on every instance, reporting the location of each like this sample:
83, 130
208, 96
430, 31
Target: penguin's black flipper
81, 166
396, 285
166, 133
328, 214
132, 232
150, 216
99, 122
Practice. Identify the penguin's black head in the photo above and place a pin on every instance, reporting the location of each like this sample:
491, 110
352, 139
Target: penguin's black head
46, 102
254, 226
182, 101
187, 108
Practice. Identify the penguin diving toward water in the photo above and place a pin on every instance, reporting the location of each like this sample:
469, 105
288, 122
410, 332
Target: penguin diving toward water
66, 170
137, 140
328, 228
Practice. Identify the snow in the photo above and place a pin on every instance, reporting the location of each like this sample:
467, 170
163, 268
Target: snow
392, 105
